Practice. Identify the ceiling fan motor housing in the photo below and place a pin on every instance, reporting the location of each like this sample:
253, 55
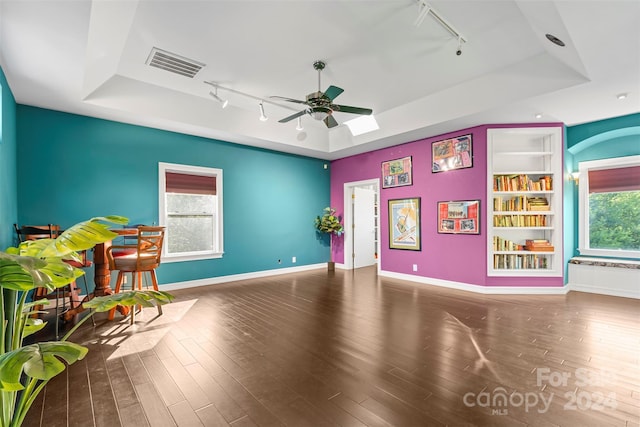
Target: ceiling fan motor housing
318, 98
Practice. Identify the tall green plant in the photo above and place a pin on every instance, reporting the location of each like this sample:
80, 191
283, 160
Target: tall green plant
26, 369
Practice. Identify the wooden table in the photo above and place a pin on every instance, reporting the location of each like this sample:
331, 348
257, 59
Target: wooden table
102, 275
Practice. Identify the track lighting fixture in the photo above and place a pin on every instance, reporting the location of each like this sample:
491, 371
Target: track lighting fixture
425, 9
215, 96
263, 117
299, 126
261, 101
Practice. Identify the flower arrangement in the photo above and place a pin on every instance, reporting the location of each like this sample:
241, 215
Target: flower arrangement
329, 222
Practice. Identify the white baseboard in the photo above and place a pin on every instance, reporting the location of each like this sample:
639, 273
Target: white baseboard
236, 277
488, 290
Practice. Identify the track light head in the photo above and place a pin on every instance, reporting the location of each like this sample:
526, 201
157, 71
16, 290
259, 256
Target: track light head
215, 96
299, 125
263, 117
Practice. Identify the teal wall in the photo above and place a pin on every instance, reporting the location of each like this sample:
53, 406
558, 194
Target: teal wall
603, 139
71, 168
8, 190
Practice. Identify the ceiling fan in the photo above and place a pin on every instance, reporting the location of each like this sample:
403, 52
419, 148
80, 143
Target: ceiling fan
320, 105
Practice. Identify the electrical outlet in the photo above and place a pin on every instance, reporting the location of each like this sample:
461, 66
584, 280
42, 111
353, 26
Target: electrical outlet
293, 260
415, 267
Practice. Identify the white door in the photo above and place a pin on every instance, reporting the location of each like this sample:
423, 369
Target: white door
364, 232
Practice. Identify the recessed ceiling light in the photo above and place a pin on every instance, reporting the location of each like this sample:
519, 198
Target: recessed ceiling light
553, 39
538, 116
621, 96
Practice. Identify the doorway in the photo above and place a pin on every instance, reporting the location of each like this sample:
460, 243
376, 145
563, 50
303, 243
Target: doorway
362, 224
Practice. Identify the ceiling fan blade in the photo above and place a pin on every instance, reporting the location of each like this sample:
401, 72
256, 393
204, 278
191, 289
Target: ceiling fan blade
332, 92
352, 110
282, 98
330, 121
293, 116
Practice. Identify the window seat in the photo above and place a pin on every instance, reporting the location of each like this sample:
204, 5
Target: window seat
606, 276
605, 262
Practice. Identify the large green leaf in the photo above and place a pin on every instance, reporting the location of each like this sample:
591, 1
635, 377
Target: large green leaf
84, 235
21, 273
146, 298
40, 361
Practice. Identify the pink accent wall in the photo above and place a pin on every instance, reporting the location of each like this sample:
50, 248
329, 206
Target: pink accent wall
452, 257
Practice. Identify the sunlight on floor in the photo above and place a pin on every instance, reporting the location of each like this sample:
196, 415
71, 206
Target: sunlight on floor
147, 331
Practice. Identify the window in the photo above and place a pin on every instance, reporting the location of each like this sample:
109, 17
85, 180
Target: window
609, 207
191, 209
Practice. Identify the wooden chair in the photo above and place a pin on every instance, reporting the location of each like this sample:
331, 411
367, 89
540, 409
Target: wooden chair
142, 256
51, 231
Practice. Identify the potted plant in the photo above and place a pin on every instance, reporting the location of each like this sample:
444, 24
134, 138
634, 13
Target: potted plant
26, 369
329, 223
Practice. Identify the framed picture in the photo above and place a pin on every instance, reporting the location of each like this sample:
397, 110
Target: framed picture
404, 224
450, 154
396, 173
459, 217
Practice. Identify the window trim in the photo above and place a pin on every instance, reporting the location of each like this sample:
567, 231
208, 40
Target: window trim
163, 168
583, 205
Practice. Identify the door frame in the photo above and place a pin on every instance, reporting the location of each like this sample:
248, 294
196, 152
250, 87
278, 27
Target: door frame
348, 220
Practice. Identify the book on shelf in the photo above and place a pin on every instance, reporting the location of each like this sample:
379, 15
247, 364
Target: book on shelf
539, 248
538, 245
537, 204
536, 241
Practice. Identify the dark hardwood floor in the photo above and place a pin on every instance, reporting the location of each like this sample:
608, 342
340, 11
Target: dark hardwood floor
349, 348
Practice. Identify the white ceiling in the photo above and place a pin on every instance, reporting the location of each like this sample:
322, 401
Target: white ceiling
89, 58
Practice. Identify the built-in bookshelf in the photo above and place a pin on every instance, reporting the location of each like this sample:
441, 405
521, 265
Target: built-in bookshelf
524, 183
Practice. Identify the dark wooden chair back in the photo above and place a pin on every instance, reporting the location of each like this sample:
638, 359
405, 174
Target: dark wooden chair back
35, 232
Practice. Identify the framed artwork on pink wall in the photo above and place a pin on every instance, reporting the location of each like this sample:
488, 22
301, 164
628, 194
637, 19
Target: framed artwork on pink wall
404, 224
459, 217
450, 154
397, 173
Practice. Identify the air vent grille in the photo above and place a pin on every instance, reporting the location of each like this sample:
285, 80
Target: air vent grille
174, 63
